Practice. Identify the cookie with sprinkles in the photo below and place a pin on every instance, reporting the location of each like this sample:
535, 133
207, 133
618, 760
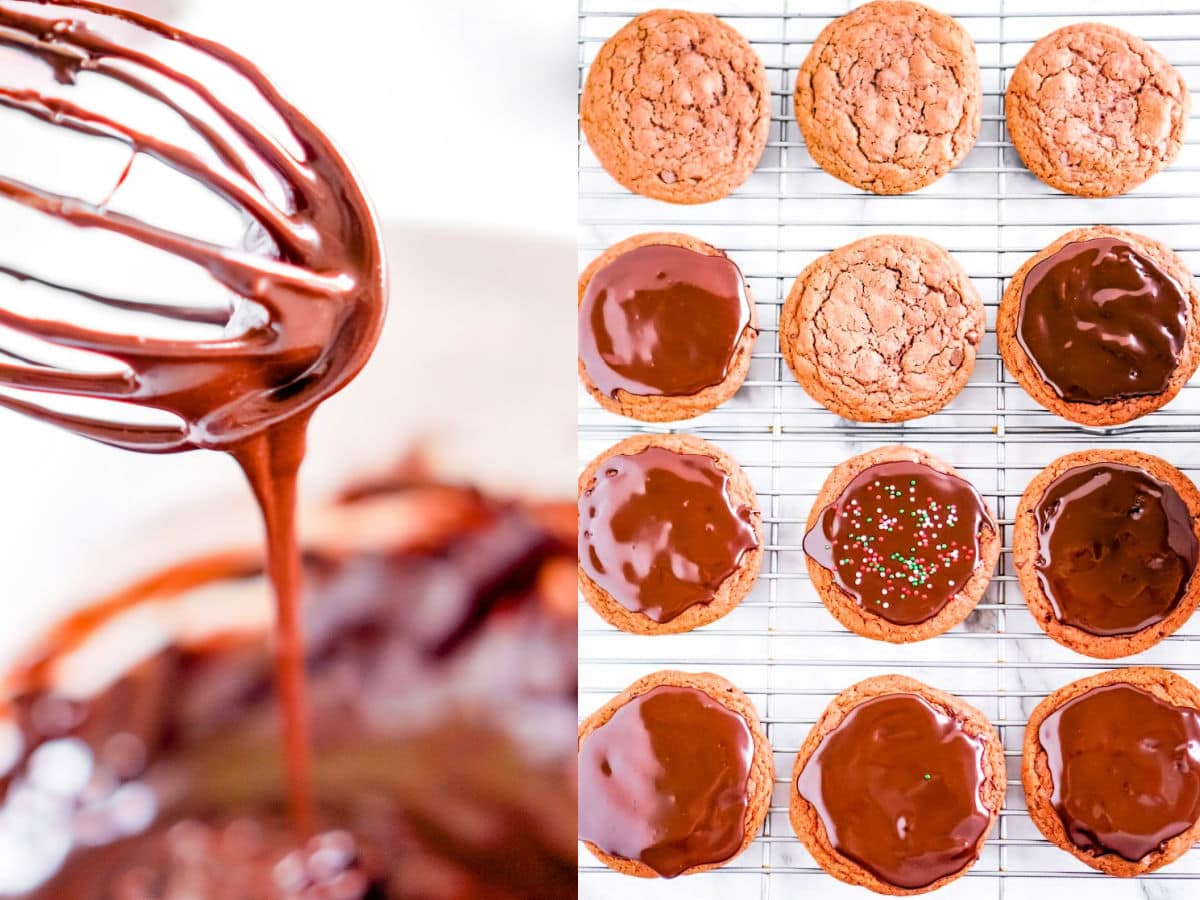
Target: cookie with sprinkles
900, 547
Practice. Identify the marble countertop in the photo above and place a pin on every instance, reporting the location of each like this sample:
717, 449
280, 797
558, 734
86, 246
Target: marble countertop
781, 646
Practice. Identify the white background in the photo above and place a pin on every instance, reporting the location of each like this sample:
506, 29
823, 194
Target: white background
459, 118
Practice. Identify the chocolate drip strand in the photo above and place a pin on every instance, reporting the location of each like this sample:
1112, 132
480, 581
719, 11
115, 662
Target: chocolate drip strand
316, 289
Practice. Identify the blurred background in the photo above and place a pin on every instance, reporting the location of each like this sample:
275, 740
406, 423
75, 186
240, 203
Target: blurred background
458, 117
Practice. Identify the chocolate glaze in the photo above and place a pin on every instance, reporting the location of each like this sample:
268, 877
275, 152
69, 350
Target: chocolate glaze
307, 311
897, 786
901, 539
1101, 322
1126, 769
665, 781
1116, 548
659, 532
443, 691
662, 320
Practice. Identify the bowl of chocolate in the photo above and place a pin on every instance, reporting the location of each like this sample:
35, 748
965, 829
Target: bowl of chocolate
140, 737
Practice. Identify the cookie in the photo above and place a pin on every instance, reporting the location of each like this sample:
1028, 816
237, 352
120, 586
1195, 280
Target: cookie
670, 534
899, 547
675, 776
1102, 326
676, 107
1110, 771
666, 327
897, 786
889, 97
882, 330
1095, 111
1105, 544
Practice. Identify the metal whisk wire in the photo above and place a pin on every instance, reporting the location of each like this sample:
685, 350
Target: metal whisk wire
247, 164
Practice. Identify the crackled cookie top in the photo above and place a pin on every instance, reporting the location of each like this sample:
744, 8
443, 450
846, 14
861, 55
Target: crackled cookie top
889, 97
882, 330
676, 106
1095, 111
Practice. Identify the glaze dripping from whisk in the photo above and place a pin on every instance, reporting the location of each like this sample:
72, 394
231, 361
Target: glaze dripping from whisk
318, 292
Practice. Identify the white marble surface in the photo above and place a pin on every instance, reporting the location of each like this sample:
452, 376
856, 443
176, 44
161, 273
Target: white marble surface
781, 645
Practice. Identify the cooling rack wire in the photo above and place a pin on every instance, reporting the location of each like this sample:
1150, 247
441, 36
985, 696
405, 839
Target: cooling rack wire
781, 646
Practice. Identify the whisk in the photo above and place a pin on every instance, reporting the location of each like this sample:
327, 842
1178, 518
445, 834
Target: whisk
310, 299
321, 285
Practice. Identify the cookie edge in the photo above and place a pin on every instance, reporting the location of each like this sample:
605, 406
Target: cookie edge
762, 768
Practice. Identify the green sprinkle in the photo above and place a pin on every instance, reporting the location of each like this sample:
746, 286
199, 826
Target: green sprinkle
928, 776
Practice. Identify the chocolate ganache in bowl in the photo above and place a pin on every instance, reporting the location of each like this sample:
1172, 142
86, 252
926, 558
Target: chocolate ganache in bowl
139, 741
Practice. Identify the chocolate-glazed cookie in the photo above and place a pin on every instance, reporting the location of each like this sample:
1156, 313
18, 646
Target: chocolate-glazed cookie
1105, 545
1095, 111
1102, 326
666, 327
1111, 769
900, 547
676, 106
897, 786
669, 534
889, 97
882, 330
675, 776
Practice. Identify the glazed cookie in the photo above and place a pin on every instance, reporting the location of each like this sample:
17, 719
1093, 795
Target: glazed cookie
897, 786
1105, 544
670, 534
900, 548
889, 97
882, 330
1095, 111
1110, 769
1102, 326
676, 106
675, 776
666, 327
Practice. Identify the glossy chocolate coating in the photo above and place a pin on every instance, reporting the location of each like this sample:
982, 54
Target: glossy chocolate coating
659, 532
662, 320
897, 785
665, 781
1116, 548
1126, 769
304, 314
902, 539
1101, 322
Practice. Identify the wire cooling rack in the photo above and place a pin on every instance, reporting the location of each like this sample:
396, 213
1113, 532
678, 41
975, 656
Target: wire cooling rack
781, 646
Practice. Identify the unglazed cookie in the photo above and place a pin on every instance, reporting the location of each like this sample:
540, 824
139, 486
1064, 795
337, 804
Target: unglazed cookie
900, 548
676, 106
670, 534
1095, 111
1105, 545
882, 330
666, 327
897, 786
675, 776
1102, 326
889, 97
1110, 769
